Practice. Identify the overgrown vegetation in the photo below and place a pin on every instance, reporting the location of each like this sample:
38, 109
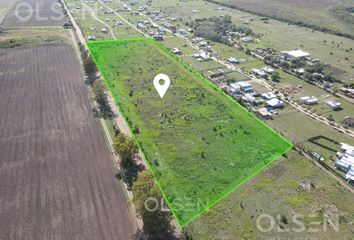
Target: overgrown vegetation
216, 28
184, 133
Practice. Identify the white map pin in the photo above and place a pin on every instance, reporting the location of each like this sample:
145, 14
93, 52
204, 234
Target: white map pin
162, 88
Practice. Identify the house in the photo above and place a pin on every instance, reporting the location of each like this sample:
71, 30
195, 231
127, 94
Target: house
334, 105
259, 72
300, 71
245, 87
268, 95
275, 103
232, 60
344, 163
249, 98
158, 37
268, 70
235, 88
202, 56
295, 54
346, 149
247, 39
350, 174
176, 51
91, 38
345, 157
203, 44
309, 100
264, 113
104, 30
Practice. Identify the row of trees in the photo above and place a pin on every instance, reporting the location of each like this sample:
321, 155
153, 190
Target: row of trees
147, 196
96, 84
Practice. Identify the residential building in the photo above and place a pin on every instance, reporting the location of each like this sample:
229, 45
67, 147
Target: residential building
275, 103
334, 105
309, 100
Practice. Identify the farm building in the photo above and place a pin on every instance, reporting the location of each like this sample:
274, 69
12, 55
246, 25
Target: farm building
295, 54
334, 105
275, 103
309, 100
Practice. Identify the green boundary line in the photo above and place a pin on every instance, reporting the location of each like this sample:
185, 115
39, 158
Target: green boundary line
188, 67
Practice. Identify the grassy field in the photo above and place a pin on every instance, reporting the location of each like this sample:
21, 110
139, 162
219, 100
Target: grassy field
316, 12
199, 143
290, 187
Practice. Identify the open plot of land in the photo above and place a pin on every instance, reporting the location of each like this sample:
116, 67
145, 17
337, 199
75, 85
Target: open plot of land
315, 12
199, 143
56, 175
292, 187
34, 13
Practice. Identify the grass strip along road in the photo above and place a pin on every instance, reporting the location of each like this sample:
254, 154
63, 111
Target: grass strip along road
199, 143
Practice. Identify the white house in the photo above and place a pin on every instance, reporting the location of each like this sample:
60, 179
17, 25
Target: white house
176, 51
259, 72
345, 158
235, 88
309, 100
350, 174
268, 70
245, 87
275, 103
334, 105
268, 95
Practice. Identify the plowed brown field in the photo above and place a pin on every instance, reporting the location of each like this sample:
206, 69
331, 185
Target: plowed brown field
56, 175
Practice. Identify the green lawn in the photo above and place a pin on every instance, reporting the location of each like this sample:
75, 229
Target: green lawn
199, 144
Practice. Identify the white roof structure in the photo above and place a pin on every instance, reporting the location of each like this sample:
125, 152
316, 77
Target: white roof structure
348, 149
268, 95
309, 100
275, 103
259, 72
296, 53
249, 98
333, 104
268, 69
244, 85
235, 87
350, 174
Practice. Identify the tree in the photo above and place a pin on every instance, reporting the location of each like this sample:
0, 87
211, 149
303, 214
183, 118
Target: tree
90, 70
248, 51
99, 91
157, 223
125, 147
275, 76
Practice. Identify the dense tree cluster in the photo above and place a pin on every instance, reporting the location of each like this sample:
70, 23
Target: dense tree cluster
216, 28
